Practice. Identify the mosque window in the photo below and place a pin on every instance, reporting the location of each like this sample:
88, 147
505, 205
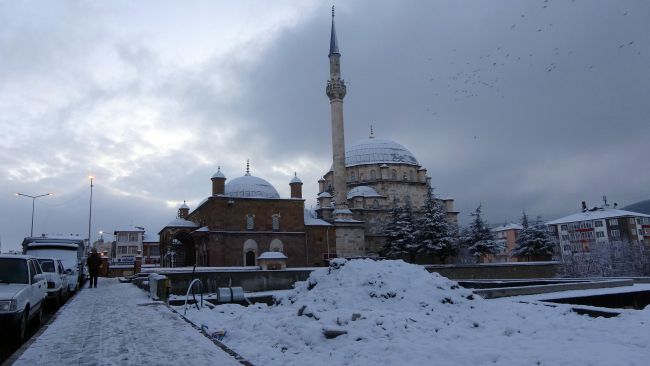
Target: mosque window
411, 175
375, 204
407, 199
373, 175
276, 222
352, 177
393, 174
378, 228
361, 177
250, 222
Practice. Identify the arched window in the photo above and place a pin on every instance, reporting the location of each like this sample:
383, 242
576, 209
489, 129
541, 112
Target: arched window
250, 222
276, 245
276, 222
352, 177
373, 175
375, 204
361, 176
250, 252
378, 228
411, 175
393, 174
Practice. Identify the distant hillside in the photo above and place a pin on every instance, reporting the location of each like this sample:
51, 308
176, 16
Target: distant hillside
642, 207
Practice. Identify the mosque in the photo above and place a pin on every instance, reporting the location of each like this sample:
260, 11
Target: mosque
246, 216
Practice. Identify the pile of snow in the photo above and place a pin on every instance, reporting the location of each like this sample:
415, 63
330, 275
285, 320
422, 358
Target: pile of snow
363, 312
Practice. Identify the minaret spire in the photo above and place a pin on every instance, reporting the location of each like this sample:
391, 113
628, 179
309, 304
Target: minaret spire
336, 92
248, 167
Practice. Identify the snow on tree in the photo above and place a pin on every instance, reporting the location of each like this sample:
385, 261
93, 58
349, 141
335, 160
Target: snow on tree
400, 230
435, 235
533, 240
478, 237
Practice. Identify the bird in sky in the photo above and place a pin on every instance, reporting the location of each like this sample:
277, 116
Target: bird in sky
625, 13
631, 42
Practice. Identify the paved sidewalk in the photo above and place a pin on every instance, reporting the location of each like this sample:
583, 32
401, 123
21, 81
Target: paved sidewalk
117, 324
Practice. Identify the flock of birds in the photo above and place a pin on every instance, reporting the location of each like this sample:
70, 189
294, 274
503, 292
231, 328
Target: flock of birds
480, 74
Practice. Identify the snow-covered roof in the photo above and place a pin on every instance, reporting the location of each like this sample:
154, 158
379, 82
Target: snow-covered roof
325, 195
250, 187
509, 226
219, 174
295, 179
130, 229
312, 220
178, 222
272, 255
448, 197
150, 238
321, 179
376, 151
202, 229
596, 215
184, 206
363, 191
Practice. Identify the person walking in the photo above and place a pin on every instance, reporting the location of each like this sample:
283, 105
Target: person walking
93, 262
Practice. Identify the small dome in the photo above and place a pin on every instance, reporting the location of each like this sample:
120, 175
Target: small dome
219, 174
295, 179
321, 180
325, 195
250, 187
184, 206
363, 191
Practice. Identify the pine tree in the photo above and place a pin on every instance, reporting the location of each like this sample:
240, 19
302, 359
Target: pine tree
435, 235
533, 240
479, 238
399, 230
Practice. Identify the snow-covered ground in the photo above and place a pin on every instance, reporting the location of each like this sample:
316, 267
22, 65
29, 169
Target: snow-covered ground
396, 313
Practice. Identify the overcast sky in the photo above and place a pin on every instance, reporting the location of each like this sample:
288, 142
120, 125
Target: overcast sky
534, 105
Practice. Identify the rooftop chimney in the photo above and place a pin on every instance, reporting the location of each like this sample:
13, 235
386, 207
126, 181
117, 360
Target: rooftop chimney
584, 206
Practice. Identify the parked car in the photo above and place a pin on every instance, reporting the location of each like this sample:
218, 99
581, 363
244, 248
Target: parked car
69, 249
22, 292
57, 280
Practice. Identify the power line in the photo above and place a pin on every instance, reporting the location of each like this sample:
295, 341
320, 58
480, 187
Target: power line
65, 203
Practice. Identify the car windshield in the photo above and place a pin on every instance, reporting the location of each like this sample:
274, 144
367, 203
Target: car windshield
13, 270
47, 265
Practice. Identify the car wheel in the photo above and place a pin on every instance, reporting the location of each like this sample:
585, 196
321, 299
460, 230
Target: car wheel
21, 328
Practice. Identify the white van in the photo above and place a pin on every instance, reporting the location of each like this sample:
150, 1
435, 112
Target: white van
68, 249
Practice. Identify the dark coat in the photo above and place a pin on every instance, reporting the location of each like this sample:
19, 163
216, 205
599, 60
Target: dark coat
94, 261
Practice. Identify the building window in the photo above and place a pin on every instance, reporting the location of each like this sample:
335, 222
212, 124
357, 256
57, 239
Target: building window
407, 200
565, 237
613, 222
551, 229
632, 220
574, 226
600, 234
615, 233
646, 221
564, 228
122, 237
379, 228
586, 225
633, 231
250, 222
121, 249
411, 175
598, 223
276, 246
375, 204
154, 251
352, 177
393, 174
373, 175
133, 250
133, 237
587, 235
276, 223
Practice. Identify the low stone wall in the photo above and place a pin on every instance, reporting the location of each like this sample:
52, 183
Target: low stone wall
250, 281
496, 271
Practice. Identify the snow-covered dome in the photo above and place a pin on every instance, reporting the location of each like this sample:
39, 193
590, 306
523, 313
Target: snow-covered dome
377, 151
363, 191
250, 186
184, 206
295, 179
219, 174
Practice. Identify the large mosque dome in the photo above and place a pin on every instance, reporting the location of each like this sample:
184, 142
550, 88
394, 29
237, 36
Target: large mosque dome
377, 151
250, 187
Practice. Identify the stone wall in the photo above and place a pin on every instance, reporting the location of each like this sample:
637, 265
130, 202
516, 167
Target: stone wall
496, 271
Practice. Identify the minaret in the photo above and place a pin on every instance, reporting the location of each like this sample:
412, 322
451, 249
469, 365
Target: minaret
336, 92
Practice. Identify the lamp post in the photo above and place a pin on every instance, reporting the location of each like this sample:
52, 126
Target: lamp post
90, 215
33, 201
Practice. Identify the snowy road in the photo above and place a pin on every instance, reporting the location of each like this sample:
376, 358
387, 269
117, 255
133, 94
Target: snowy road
115, 324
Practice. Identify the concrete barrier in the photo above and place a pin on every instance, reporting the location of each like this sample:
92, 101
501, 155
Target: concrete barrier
494, 293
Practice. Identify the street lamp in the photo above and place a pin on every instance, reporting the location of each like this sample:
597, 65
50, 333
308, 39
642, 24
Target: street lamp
33, 200
90, 215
